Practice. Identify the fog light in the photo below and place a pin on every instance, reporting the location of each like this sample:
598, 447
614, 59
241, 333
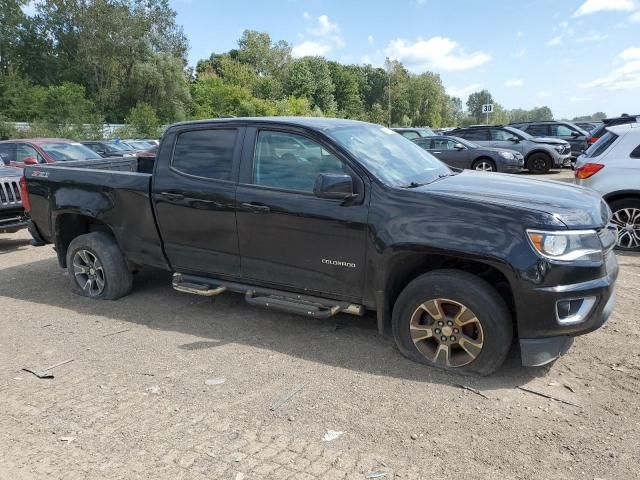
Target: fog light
574, 310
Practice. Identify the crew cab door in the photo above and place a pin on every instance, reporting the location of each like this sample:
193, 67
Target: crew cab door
288, 236
193, 192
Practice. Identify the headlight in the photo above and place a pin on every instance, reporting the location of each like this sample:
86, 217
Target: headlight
567, 246
559, 148
507, 155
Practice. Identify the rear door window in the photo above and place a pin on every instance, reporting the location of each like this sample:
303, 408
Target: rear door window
561, 131
636, 152
205, 153
538, 130
601, 145
410, 134
475, 134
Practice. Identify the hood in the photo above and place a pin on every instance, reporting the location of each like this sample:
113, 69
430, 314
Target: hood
10, 171
555, 141
574, 206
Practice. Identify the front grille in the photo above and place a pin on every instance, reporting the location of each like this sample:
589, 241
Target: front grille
10, 192
566, 149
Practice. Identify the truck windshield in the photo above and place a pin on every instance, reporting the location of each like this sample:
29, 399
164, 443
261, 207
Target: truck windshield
395, 160
62, 152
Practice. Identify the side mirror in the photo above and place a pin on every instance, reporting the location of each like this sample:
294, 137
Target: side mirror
514, 139
333, 185
30, 161
575, 134
459, 146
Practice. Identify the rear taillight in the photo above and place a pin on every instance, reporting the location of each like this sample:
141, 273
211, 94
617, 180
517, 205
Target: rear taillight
592, 140
587, 170
24, 193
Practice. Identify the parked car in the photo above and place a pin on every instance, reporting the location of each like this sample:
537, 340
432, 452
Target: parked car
576, 136
147, 158
359, 219
12, 216
32, 151
601, 129
110, 148
414, 132
459, 153
588, 126
540, 154
138, 145
612, 168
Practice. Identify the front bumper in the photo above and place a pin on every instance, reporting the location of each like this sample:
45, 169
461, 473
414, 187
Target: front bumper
13, 223
541, 335
562, 160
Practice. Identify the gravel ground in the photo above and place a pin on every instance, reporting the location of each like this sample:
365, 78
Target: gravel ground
169, 385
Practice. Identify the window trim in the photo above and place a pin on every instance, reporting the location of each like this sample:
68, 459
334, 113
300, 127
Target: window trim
477, 129
358, 183
237, 146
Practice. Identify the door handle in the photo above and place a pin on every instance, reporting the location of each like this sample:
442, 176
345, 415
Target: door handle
255, 207
172, 196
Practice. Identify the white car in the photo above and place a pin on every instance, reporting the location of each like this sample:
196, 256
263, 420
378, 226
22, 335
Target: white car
611, 166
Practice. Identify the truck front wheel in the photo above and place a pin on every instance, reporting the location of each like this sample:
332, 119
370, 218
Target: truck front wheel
453, 320
97, 268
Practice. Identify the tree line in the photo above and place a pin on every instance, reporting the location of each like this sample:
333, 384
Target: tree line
75, 64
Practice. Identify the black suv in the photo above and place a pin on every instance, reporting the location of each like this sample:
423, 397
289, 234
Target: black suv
576, 136
601, 129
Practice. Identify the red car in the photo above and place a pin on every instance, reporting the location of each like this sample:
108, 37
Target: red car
31, 151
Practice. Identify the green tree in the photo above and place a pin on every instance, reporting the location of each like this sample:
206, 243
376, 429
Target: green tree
323, 88
143, 119
347, 93
11, 21
474, 105
299, 82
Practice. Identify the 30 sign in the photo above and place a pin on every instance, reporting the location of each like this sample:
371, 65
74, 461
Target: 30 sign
487, 108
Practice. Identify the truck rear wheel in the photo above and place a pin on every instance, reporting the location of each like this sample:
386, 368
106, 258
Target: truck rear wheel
453, 320
97, 268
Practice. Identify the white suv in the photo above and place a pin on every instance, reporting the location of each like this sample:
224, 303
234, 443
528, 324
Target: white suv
611, 166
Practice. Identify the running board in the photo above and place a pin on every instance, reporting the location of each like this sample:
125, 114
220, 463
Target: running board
306, 305
197, 289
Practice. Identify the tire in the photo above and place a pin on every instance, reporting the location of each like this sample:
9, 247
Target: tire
486, 321
100, 270
626, 217
539, 163
484, 165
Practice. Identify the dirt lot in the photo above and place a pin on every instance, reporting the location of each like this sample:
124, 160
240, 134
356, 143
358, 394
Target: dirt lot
135, 401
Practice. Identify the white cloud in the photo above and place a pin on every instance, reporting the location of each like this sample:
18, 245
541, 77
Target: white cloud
626, 76
439, 53
519, 53
554, 41
544, 94
366, 60
327, 37
594, 6
635, 17
464, 92
592, 37
371, 40
516, 82
310, 48
323, 27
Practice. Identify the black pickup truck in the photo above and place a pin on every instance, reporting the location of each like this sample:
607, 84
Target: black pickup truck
319, 216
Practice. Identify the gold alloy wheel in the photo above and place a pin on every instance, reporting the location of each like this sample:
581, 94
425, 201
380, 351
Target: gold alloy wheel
446, 332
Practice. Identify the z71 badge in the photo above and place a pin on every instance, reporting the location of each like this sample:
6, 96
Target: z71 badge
39, 173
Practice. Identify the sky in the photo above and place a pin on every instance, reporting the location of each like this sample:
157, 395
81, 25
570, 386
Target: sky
576, 56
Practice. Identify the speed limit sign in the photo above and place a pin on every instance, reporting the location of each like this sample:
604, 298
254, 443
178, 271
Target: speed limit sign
487, 108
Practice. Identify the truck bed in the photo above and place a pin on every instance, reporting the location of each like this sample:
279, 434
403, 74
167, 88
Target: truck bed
108, 193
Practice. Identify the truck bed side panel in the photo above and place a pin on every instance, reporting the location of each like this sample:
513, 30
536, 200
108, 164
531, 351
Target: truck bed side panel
119, 199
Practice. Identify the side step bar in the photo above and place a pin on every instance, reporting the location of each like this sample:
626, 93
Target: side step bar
265, 297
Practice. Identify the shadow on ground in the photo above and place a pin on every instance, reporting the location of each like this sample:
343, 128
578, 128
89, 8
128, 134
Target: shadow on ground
344, 341
8, 245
